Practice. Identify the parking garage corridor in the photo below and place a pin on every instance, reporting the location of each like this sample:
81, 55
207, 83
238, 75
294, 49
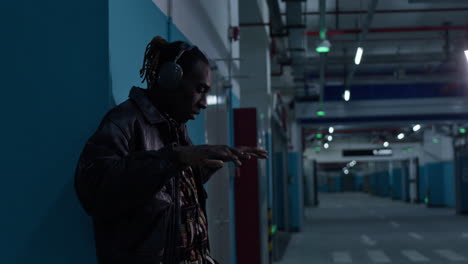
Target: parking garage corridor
359, 228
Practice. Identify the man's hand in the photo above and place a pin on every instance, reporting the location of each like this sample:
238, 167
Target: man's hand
253, 152
215, 155
210, 155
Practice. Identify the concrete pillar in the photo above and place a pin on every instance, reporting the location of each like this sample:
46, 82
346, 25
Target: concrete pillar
391, 177
219, 205
295, 173
310, 181
413, 181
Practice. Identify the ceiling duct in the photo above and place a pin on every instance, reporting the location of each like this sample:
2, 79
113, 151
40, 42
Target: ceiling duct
323, 37
295, 23
278, 33
385, 59
436, 1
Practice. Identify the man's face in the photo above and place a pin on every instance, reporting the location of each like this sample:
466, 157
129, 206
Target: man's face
194, 88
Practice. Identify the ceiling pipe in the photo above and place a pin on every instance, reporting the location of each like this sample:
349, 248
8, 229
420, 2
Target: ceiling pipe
278, 33
388, 11
323, 19
337, 18
323, 56
399, 39
296, 38
281, 71
362, 39
389, 79
277, 26
390, 30
354, 131
385, 59
277, 74
254, 24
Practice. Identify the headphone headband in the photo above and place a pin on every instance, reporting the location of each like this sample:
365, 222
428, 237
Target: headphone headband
171, 72
183, 48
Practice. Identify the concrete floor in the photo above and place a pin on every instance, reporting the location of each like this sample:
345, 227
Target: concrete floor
359, 228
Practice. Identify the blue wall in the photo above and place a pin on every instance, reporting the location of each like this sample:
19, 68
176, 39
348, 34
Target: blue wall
295, 214
324, 188
279, 183
338, 184
380, 183
373, 183
461, 183
435, 184
449, 183
422, 183
383, 183
358, 182
438, 179
55, 91
132, 24
397, 183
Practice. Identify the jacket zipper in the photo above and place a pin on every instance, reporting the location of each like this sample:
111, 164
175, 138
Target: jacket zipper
176, 219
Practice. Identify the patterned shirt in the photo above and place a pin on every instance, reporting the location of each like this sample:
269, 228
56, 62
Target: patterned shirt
193, 229
193, 225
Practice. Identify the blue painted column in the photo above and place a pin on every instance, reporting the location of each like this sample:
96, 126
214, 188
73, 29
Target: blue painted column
293, 191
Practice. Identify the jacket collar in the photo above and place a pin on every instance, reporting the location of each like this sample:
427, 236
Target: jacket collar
152, 115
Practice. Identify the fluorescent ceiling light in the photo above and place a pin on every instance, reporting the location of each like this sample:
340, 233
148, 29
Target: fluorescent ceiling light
416, 127
466, 54
386, 144
331, 130
347, 95
401, 136
357, 59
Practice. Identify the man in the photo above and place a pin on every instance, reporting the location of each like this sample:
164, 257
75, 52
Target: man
139, 176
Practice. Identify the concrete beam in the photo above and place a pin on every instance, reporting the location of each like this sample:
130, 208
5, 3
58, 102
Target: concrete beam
430, 107
383, 59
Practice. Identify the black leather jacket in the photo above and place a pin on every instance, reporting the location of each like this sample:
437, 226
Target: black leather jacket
126, 179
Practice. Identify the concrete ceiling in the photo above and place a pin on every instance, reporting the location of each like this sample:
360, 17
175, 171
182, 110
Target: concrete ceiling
403, 37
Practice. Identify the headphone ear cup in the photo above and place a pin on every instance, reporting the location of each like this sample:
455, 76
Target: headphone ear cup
170, 75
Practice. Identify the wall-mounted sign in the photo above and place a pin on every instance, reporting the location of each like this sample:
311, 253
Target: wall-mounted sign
367, 152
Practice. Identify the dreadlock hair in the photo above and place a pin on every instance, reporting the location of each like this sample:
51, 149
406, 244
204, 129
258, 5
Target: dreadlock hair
159, 51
